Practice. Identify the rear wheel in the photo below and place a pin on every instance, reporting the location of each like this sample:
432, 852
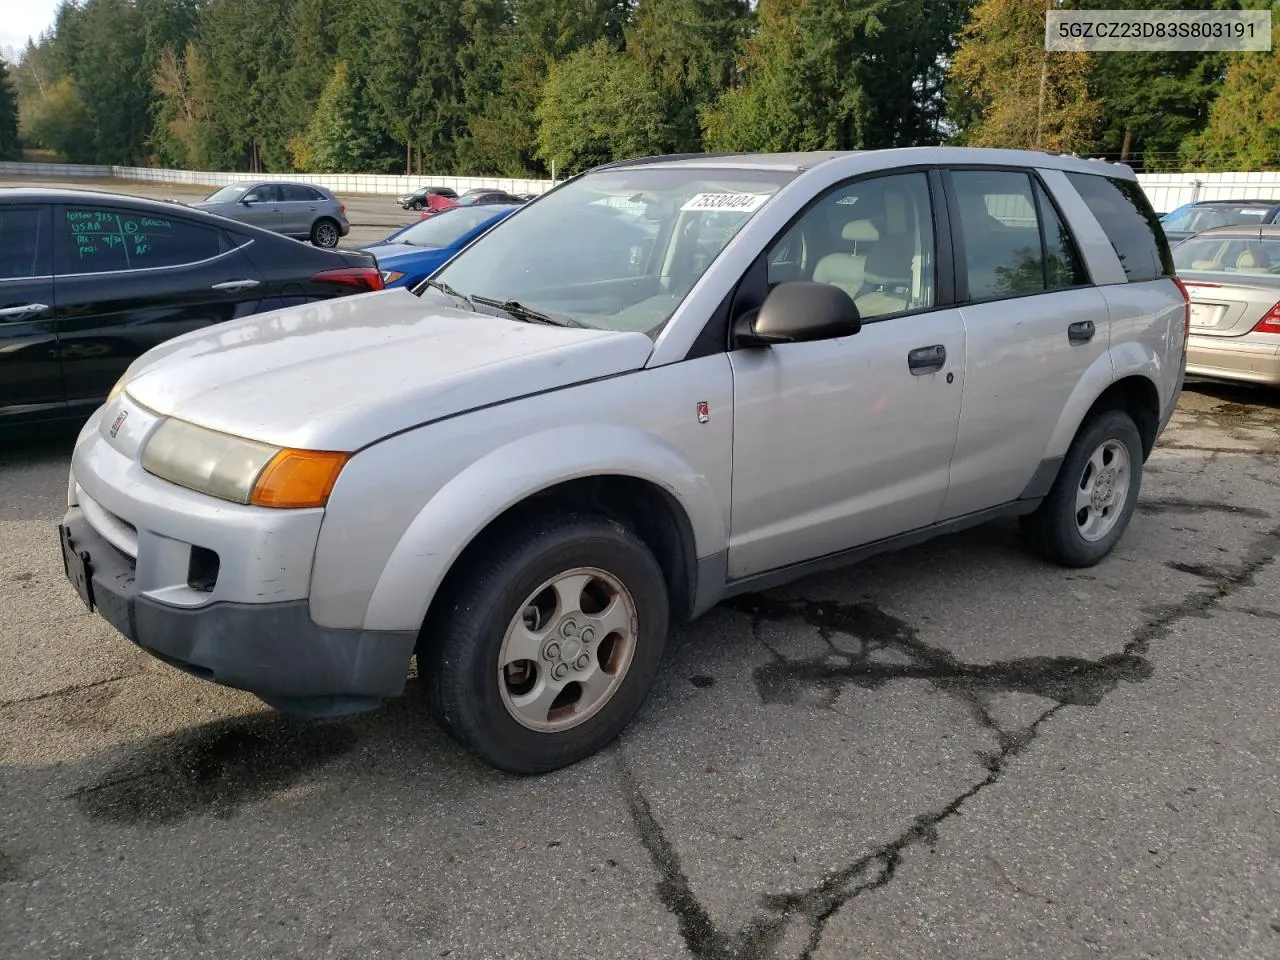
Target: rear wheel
547, 644
1092, 500
324, 233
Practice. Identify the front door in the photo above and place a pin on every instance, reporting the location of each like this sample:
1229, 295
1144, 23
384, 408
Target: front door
30, 373
128, 279
261, 207
844, 442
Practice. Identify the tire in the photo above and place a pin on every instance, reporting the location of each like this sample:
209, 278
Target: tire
1063, 532
417, 205
325, 233
489, 710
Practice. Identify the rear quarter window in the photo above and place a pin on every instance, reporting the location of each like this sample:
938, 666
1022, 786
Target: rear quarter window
1125, 214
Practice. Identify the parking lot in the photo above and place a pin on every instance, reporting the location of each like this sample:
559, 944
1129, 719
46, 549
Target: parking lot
955, 751
371, 217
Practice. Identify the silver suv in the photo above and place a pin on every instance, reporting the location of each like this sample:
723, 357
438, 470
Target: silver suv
299, 210
524, 477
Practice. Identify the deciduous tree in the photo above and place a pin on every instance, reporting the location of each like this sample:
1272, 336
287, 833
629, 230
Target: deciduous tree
1020, 95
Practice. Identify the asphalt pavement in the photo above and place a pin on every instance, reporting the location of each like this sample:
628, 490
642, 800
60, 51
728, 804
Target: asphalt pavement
956, 751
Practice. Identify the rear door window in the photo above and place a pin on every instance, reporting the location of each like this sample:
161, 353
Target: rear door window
21, 243
102, 239
1125, 214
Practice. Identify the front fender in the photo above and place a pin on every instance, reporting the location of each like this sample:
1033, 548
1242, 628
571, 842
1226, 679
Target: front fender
469, 502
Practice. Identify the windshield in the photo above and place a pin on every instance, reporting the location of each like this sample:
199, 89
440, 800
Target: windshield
1194, 218
226, 194
615, 250
447, 227
1247, 256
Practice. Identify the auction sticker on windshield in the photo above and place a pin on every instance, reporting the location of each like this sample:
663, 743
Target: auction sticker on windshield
748, 202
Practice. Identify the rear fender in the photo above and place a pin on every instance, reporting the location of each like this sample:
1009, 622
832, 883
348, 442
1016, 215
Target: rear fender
473, 499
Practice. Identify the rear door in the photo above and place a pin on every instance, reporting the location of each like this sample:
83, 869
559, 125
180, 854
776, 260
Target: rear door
1033, 322
30, 372
299, 206
130, 278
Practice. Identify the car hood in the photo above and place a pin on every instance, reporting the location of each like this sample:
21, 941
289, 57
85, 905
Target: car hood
342, 373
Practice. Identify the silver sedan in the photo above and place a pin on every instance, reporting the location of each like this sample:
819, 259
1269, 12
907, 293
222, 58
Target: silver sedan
1233, 277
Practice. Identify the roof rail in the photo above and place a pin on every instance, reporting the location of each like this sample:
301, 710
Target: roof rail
663, 158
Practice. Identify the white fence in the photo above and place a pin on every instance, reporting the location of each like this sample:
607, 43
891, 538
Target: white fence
1166, 190
348, 183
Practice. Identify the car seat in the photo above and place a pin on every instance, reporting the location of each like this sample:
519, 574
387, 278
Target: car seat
847, 270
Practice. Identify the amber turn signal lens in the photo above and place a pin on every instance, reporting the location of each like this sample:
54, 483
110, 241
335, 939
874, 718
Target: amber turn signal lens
298, 478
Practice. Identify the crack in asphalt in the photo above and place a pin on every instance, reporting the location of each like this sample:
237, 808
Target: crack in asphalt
1069, 681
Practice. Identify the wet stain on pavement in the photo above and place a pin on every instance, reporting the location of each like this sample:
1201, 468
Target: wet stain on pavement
1180, 505
702, 681
8, 868
214, 770
1068, 680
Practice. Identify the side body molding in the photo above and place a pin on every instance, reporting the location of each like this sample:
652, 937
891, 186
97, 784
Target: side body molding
464, 506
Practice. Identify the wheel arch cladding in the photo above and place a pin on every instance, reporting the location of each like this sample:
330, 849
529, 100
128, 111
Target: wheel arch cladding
653, 514
1137, 396
626, 474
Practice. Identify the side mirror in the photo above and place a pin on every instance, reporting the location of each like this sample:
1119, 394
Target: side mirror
247, 201
796, 312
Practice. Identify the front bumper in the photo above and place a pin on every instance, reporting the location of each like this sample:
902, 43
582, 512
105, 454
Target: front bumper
1234, 358
272, 650
219, 589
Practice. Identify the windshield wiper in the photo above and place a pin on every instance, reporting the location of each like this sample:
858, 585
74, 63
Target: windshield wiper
526, 313
446, 289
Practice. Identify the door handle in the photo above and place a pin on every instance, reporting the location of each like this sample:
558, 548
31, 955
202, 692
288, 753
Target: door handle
23, 311
235, 285
1081, 332
924, 360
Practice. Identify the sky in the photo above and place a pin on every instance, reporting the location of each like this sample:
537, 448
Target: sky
22, 19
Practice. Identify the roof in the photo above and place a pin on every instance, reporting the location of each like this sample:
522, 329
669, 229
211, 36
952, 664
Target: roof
1245, 201
54, 194
893, 156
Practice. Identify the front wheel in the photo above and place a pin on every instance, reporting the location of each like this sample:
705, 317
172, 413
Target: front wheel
1093, 498
547, 644
324, 233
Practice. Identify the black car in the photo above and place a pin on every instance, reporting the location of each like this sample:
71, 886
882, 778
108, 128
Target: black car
422, 197
89, 281
1201, 215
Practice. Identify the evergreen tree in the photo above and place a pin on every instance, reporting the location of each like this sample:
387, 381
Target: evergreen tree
688, 48
599, 105
10, 146
337, 138
1243, 132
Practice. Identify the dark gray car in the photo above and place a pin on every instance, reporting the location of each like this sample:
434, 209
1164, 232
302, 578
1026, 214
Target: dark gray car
299, 210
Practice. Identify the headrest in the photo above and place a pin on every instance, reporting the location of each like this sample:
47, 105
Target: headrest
1252, 260
859, 231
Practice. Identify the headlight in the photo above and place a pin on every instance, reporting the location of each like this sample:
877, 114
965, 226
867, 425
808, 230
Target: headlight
241, 470
391, 276
115, 391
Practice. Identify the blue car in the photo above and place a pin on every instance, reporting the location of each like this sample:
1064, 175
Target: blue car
414, 253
